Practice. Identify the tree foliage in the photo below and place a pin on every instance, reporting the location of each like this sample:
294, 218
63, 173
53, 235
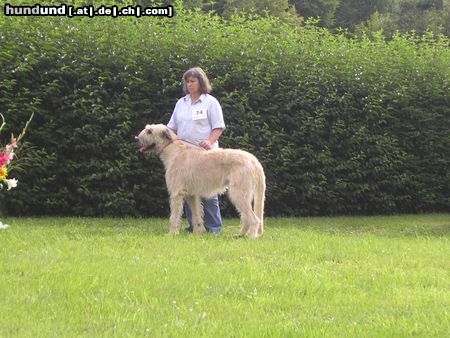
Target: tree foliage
409, 15
360, 16
323, 9
342, 126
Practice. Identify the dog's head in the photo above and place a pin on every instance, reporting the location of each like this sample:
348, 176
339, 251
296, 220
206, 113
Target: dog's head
154, 138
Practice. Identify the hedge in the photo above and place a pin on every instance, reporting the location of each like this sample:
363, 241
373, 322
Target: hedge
342, 126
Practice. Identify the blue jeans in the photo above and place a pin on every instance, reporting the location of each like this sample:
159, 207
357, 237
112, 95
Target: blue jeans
212, 217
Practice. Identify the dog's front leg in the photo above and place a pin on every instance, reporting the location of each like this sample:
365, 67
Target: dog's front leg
195, 204
176, 209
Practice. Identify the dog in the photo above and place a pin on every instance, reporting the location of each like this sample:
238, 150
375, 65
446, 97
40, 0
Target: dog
192, 172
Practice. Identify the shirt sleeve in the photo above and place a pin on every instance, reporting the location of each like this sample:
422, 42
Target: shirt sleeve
173, 120
216, 114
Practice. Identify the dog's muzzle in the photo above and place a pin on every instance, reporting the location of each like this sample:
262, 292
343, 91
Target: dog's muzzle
144, 148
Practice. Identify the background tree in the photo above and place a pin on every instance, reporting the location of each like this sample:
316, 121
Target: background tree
409, 15
325, 9
226, 8
360, 16
349, 13
276, 8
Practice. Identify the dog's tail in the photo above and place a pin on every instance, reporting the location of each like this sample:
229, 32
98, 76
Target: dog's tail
258, 203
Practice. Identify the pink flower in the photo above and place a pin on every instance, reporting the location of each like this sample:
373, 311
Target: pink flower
4, 159
14, 143
10, 151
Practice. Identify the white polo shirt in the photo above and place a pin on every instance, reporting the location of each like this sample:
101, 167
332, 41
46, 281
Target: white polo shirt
194, 121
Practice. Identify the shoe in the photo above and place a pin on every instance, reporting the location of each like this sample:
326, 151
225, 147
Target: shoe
213, 231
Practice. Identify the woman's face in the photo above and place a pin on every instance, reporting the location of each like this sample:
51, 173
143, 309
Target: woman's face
193, 85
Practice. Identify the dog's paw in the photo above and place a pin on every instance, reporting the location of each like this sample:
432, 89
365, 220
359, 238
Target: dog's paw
174, 232
253, 234
199, 229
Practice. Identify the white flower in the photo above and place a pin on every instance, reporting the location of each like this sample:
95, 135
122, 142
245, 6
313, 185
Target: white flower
3, 226
11, 183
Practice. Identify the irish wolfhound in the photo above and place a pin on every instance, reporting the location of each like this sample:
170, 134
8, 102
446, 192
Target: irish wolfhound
192, 173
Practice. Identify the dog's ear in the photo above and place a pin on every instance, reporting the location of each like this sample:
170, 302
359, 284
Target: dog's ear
167, 135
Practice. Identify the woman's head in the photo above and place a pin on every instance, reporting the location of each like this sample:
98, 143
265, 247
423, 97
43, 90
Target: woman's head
199, 74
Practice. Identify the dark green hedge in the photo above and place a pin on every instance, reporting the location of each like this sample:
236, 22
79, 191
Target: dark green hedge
341, 126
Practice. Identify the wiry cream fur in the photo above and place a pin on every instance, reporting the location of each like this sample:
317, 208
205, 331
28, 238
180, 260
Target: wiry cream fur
192, 173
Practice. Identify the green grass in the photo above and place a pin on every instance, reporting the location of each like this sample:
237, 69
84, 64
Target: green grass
314, 277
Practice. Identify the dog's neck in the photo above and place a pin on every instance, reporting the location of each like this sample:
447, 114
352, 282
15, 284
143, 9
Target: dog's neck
166, 155
160, 150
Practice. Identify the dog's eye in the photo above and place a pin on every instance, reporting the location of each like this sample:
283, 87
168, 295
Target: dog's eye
149, 131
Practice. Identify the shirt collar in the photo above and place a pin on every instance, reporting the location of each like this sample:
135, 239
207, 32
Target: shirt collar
200, 99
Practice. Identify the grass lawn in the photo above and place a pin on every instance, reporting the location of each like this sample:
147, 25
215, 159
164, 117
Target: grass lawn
314, 277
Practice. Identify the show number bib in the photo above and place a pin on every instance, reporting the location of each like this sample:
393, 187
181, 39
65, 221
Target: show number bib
199, 114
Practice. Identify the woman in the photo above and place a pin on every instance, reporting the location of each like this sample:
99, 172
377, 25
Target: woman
198, 119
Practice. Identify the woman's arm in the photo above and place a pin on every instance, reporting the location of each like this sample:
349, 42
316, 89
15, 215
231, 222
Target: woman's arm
215, 134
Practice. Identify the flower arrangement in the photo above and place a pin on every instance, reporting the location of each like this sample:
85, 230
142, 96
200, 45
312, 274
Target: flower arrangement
7, 156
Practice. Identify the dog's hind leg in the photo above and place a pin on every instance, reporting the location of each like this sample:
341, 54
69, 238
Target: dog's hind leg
244, 228
253, 224
250, 223
195, 204
176, 209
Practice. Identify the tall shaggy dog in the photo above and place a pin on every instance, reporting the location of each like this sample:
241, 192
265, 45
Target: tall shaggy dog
192, 173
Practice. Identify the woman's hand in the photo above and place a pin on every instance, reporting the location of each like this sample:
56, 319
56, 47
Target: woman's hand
205, 145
